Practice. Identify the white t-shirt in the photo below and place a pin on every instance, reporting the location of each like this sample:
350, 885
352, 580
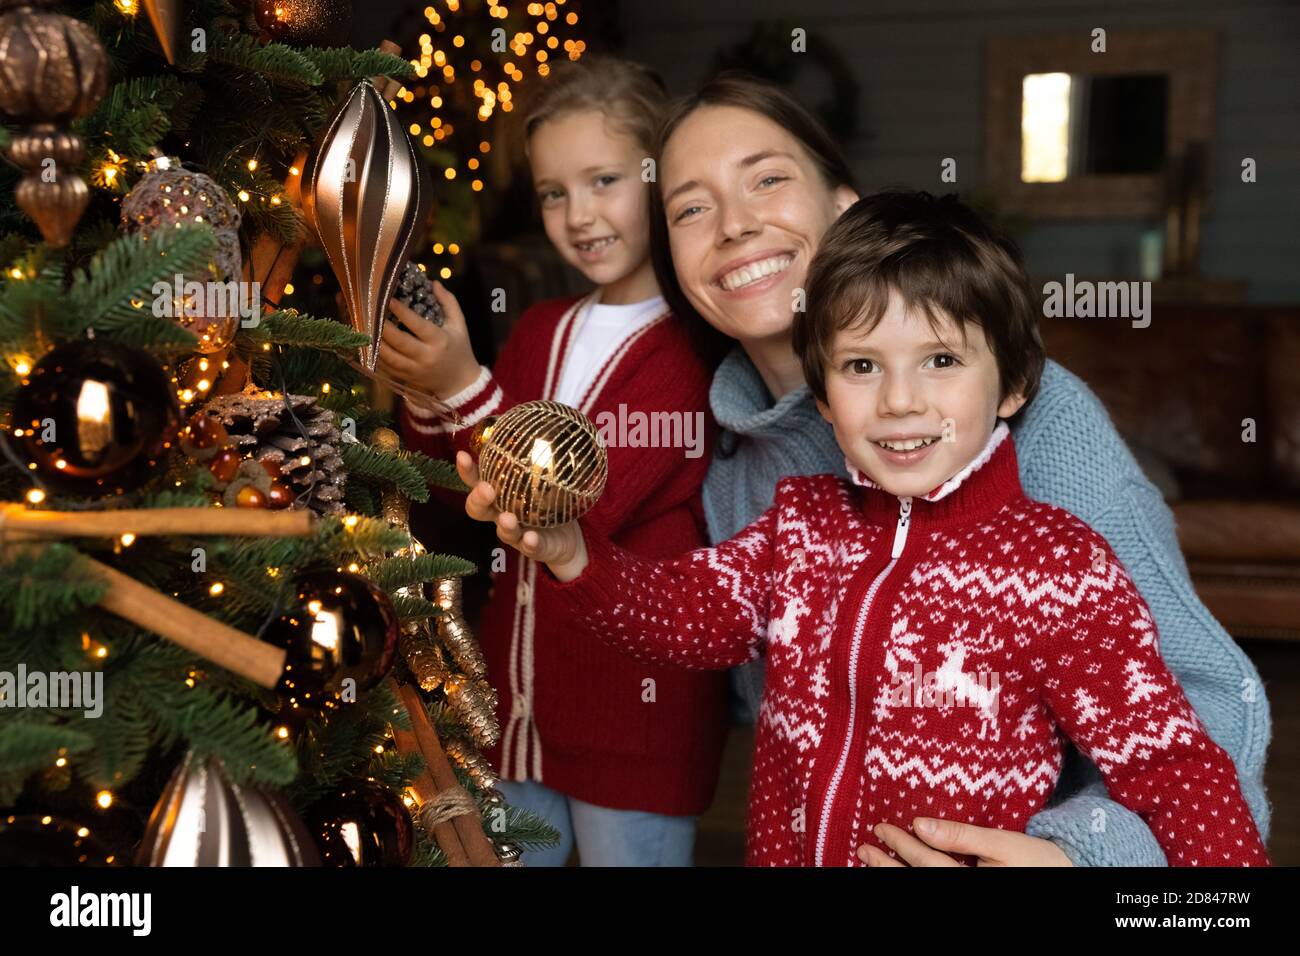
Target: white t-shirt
600, 332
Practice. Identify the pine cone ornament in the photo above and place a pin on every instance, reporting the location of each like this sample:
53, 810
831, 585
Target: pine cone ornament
292, 433
427, 661
415, 291
463, 754
475, 702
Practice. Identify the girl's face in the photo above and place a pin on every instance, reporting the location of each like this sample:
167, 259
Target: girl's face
746, 209
913, 405
595, 206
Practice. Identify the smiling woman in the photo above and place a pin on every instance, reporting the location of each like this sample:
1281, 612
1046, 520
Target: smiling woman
748, 185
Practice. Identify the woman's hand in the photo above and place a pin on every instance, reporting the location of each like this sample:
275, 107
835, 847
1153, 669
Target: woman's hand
561, 548
437, 360
990, 846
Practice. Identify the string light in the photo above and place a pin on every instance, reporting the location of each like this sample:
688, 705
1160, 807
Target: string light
104, 798
127, 540
216, 589
35, 496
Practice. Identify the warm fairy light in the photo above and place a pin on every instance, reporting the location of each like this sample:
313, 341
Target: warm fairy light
216, 589
15, 273
408, 799
187, 396
450, 172
379, 748
325, 388
204, 385
437, 248
350, 521
83, 832
282, 732
288, 288
266, 346
294, 171
61, 762
354, 567
104, 798
444, 272
476, 185
454, 249
275, 200
243, 195
305, 460
128, 8
46, 821
272, 572
252, 165
203, 365
35, 496
127, 540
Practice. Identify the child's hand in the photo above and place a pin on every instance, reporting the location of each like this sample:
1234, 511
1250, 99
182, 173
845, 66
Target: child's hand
561, 548
431, 358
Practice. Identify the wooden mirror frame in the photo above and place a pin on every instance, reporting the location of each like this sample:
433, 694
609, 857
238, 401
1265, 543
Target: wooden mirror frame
1188, 57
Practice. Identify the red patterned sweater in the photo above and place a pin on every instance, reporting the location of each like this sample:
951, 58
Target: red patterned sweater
924, 658
575, 714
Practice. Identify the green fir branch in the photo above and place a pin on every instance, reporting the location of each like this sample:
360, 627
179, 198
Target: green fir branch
369, 462
402, 571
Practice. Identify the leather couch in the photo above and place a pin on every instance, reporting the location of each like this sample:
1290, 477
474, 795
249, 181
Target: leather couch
1184, 392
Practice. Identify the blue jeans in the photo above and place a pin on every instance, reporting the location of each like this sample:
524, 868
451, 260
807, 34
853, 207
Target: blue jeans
605, 837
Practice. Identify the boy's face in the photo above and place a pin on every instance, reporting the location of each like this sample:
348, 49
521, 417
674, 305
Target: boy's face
911, 408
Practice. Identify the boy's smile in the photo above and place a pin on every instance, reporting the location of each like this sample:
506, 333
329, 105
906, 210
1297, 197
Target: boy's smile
913, 402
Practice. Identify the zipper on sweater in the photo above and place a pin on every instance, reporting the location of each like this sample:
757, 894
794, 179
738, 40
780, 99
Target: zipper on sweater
855, 648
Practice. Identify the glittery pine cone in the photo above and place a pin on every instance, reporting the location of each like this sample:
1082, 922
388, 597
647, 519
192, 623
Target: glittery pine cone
304, 444
415, 291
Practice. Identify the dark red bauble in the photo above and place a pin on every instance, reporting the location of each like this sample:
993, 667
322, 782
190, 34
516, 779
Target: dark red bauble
203, 436
225, 465
365, 825
280, 496
49, 841
96, 418
341, 637
305, 22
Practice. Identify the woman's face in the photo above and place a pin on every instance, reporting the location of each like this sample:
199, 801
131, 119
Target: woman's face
746, 208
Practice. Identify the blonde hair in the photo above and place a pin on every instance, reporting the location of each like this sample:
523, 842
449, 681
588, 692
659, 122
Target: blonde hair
631, 95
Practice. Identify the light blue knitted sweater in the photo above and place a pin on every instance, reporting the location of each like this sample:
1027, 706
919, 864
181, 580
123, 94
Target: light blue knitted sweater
1070, 456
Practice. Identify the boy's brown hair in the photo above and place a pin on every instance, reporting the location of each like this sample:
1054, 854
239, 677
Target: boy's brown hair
938, 254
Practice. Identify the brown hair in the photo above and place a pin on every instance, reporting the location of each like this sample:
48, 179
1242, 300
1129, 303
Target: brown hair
937, 254
629, 94
745, 91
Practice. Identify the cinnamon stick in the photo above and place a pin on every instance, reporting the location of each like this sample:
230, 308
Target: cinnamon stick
17, 521
444, 833
469, 827
193, 630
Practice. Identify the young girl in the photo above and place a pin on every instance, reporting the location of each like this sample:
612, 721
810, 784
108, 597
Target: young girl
618, 755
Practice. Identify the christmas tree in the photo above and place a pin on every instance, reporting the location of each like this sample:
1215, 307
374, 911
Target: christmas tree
205, 518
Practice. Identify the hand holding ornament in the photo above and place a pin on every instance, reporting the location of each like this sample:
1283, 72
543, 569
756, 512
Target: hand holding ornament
435, 359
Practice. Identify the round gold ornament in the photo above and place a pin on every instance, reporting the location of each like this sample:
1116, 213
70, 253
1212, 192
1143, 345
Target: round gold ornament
545, 460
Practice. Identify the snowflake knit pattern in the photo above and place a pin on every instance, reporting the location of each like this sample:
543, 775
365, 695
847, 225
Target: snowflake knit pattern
924, 658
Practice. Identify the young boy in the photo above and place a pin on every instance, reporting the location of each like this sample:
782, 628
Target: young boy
930, 632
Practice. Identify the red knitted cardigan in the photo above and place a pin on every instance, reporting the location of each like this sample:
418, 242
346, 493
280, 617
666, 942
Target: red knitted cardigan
924, 658
579, 716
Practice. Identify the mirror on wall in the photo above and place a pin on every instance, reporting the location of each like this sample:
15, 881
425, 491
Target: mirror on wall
1072, 133
1080, 124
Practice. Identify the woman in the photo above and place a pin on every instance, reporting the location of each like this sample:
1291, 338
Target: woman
748, 183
